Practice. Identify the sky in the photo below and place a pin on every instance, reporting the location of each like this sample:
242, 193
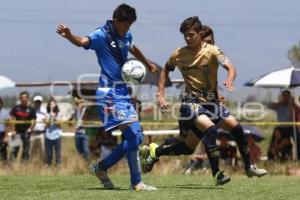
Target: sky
256, 35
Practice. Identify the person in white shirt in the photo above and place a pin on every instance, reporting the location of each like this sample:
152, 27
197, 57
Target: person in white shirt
38, 132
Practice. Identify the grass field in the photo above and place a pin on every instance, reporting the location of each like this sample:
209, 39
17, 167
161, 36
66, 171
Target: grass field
170, 187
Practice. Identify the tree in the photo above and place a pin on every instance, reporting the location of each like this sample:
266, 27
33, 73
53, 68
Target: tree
294, 55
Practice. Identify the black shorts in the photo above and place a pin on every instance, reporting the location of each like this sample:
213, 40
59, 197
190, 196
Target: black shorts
190, 111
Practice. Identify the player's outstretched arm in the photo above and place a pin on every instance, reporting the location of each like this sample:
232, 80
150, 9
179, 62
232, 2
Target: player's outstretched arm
231, 74
65, 32
136, 52
161, 90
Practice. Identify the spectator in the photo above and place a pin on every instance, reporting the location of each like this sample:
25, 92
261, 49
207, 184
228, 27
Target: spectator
53, 133
38, 132
22, 130
198, 161
254, 150
108, 143
4, 117
81, 139
228, 152
280, 147
284, 109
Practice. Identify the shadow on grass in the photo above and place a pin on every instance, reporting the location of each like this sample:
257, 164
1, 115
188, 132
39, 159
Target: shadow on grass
104, 189
194, 187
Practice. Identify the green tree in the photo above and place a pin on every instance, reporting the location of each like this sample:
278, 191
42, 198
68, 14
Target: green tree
294, 55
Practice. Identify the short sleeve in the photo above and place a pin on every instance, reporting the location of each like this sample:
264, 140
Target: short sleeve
171, 63
97, 40
219, 55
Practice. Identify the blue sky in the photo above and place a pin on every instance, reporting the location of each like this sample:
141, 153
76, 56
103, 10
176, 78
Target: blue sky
255, 35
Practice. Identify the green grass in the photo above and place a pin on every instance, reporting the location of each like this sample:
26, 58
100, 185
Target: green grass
170, 187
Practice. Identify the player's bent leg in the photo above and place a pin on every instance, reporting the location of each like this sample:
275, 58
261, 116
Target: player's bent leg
210, 135
148, 158
155, 151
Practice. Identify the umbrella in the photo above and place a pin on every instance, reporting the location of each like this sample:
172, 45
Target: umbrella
6, 82
284, 78
254, 132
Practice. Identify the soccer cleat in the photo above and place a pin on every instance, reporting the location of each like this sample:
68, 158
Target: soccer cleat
148, 157
142, 186
102, 176
254, 171
152, 148
144, 151
221, 179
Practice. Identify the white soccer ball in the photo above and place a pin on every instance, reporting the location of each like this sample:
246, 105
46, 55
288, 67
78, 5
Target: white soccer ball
134, 72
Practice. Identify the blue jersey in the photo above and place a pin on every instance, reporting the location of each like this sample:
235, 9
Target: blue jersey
111, 51
112, 95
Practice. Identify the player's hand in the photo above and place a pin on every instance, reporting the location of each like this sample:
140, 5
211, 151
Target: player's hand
162, 104
63, 30
229, 85
221, 100
152, 68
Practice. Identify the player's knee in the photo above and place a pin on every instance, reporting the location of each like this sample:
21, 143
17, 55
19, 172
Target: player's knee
210, 135
211, 131
133, 129
134, 136
133, 143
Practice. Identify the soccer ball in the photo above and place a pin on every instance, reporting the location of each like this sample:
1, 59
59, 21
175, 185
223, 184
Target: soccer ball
133, 72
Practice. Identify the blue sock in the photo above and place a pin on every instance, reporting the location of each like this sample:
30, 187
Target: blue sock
114, 157
134, 137
134, 161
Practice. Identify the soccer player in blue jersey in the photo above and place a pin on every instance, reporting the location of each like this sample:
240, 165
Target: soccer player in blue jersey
111, 44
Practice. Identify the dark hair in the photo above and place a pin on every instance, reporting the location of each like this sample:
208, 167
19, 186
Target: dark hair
1, 100
124, 13
191, 23
286, 92
207, 35
206, 31
56, 109
24, 93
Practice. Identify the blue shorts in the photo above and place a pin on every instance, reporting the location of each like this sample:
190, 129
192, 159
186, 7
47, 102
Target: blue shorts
114, 109
190, 111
